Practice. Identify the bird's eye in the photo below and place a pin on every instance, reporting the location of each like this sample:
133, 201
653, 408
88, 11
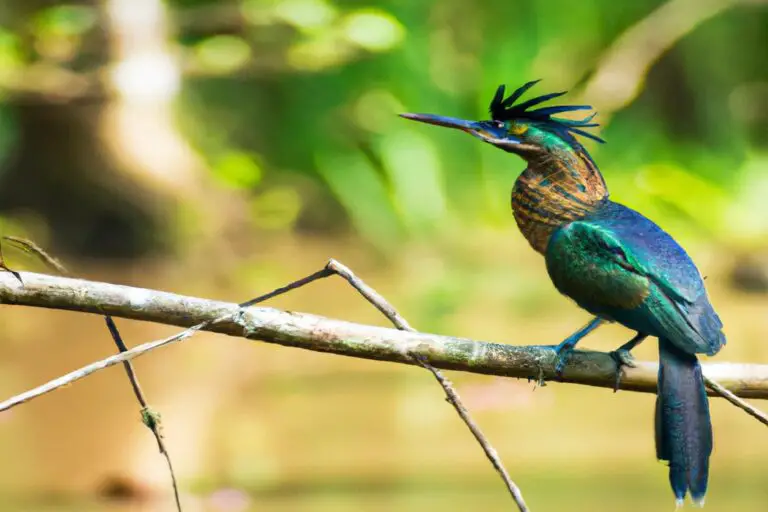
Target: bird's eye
499, 124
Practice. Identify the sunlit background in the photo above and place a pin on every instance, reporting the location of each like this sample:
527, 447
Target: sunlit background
221, 149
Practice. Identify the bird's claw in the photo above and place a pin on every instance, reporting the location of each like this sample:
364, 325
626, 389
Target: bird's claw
622, 358
564, 350
562, 354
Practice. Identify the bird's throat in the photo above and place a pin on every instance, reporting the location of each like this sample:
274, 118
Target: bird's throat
558, 188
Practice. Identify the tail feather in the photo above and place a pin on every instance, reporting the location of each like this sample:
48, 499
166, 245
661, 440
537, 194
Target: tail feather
683, 425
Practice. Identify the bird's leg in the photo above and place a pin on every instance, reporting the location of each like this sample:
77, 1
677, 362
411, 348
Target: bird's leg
565, 348
623, 357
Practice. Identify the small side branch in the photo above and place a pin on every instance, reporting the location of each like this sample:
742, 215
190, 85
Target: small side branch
149, 416
490, 451
738, 402
452, 396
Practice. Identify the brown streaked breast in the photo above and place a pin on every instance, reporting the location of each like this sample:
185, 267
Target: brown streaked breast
553, 193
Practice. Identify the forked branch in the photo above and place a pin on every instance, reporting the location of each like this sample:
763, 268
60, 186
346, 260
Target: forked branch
380, 303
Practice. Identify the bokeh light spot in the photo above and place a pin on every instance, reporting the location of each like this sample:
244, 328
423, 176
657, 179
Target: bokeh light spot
239, 170
306, 14
222, 54
376, 109
277, 208
318, 53
150, 76
373, 29
65, 20
10, 52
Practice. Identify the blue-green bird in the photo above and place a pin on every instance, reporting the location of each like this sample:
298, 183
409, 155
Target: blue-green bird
613, 262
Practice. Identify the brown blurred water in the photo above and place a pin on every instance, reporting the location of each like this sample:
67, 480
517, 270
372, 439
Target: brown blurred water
259, 427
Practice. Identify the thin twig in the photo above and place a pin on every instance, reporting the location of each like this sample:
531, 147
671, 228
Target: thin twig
452, 396
738, 402
320, 274
149, 416
370, 295
7, 268
32, 248
489, 450
122, 357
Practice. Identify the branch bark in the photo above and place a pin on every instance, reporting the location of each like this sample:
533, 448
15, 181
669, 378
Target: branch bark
321, 334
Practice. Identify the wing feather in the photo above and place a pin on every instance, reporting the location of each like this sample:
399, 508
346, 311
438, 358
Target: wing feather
612, 277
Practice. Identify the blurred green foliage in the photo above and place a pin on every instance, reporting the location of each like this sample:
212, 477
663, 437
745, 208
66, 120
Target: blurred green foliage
311, 88
320, 85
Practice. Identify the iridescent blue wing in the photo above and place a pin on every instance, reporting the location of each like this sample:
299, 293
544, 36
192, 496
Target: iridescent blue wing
621, 266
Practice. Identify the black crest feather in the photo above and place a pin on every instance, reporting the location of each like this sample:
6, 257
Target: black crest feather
506, 110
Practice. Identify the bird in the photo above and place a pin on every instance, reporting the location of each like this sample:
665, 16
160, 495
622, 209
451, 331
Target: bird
613, 262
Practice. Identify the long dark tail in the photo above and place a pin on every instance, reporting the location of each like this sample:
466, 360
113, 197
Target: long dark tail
683, 426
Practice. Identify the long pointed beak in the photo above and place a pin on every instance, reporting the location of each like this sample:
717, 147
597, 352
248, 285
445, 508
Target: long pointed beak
486, 131
448, 122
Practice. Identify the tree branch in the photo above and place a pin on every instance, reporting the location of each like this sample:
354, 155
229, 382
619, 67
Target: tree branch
321, 334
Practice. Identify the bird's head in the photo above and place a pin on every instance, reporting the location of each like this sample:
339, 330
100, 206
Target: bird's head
516, 128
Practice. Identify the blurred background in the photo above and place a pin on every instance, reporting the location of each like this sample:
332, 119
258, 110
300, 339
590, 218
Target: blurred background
223, 148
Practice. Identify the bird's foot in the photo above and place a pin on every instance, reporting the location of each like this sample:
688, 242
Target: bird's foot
623, 358
563, 352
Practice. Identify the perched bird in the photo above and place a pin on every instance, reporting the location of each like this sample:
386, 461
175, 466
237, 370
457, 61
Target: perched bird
613, 262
